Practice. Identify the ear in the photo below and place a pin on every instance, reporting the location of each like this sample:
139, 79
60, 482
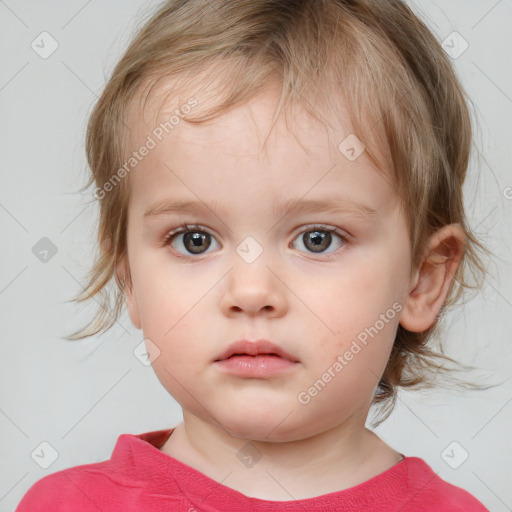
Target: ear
433, 279
123, 279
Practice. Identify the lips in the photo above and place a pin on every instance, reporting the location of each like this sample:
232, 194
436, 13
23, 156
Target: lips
254, 348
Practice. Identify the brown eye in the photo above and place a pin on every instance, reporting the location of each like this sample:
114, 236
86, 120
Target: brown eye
319, 239
196, 241
189, 240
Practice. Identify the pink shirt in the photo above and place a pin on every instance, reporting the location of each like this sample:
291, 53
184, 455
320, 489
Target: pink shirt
139, 477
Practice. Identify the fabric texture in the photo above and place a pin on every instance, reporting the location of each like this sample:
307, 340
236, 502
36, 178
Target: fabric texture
139, 477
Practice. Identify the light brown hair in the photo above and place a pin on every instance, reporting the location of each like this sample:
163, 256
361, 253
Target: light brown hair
402, 94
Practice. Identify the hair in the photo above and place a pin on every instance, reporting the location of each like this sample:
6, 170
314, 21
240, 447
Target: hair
401, 93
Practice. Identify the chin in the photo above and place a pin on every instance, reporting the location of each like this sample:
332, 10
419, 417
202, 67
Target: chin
270, 425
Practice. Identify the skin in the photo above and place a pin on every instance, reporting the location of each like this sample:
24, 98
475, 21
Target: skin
311, 304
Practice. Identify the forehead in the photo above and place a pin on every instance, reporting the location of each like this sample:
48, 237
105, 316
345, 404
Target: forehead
241, 150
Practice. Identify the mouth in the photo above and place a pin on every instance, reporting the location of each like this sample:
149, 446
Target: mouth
257, 348
260, 359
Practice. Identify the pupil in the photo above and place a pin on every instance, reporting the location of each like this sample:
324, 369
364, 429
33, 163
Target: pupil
198, 241
320, 240
317, 238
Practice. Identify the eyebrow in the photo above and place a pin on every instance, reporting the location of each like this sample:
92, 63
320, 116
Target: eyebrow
327, 205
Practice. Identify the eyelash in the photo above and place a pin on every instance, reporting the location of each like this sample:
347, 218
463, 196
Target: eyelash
169, 238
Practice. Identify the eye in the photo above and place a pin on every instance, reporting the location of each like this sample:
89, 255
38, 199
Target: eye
195, 240
318, 239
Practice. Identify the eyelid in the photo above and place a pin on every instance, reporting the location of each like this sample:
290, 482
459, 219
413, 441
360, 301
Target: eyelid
183, 228
326, 227
186, 227
309, 227
342, 235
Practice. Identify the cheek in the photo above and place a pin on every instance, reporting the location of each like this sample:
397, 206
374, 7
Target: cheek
171, 320
179, 339
170, 296
346, 371
356, 314
352, 293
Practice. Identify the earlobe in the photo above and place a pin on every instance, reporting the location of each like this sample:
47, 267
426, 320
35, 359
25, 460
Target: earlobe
124, 281
133, 307
433, 279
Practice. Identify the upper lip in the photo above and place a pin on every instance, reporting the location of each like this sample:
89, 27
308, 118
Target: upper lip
254, 348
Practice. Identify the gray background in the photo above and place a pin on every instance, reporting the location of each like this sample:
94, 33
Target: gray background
80, 396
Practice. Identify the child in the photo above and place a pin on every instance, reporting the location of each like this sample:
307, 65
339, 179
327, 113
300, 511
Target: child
317, 149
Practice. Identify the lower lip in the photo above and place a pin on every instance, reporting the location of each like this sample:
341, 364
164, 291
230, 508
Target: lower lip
255, 366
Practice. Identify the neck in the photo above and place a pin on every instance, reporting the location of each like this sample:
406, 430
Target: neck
332, 460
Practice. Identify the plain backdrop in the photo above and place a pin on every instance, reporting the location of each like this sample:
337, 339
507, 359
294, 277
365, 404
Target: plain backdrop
80, 396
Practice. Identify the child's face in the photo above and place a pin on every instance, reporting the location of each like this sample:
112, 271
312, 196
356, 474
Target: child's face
311, 294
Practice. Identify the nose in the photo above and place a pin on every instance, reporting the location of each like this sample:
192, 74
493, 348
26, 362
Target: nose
254, 289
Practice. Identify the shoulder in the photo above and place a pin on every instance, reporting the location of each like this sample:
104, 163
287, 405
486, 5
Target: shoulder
97, 486
79, 487
429, 492
53, 492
